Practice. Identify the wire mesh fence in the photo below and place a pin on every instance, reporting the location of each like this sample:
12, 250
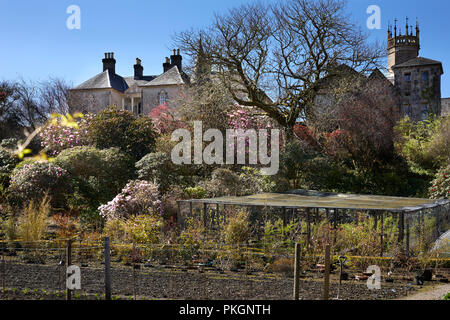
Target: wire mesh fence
162, 271
200, 263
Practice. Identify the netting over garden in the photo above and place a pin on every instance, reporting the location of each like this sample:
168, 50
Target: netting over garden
363, 225
315, 199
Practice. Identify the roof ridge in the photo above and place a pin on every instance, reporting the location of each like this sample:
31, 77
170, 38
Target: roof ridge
170, 77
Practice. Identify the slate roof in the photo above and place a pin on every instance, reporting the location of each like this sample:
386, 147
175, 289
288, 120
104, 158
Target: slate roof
419, 61
107, 80
104, 80
131, 81
170, 77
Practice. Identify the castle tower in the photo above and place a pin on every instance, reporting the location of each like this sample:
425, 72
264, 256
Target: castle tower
417, 79
402, 48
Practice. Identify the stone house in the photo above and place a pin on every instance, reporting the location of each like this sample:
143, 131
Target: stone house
139, 93
445, 105
414, 80
417, 79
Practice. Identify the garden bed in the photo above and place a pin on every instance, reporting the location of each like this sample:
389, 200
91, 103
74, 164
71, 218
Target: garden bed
40, 282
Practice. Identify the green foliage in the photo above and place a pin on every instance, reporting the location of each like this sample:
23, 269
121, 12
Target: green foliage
191, 237
34, 180
113, 127
294, 159
279, 235
141, 229
237, 229
225, 182
97, 175
301, 167
8, 160
9, 227
4, 184
159, 168
23, 163
440, 187
196, 192
424, 144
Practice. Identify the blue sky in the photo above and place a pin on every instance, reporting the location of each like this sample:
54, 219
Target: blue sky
36, 44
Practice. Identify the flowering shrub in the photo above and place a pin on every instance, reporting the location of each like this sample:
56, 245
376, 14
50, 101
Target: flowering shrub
308, 135
57, 136
241, 118
138, 197
246, 118
34, 180
164, 120
440, 187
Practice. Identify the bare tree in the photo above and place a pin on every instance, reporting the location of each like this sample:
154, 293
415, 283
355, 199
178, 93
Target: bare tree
28, 104
367, 115
275, 57
54, 95
9, 121
209, 102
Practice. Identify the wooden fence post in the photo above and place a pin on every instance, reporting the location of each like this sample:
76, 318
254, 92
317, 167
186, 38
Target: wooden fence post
401, 228
107, 270
335, 216
297, 271
3, 266
308, 226
69, 263
326, 284
205, 208
382, 234
407, 234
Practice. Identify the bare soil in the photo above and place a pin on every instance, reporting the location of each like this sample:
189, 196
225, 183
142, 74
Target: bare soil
32, 281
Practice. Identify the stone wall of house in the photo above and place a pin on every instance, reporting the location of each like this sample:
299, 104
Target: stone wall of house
445, 104
151, 96
418, 92
93, 100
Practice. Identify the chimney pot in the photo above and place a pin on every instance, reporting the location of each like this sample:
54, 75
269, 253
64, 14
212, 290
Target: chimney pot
109, 63
176, 60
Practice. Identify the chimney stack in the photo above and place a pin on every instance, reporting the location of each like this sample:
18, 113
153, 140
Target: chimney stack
138, 70
109, 63
167, 65
176, 60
